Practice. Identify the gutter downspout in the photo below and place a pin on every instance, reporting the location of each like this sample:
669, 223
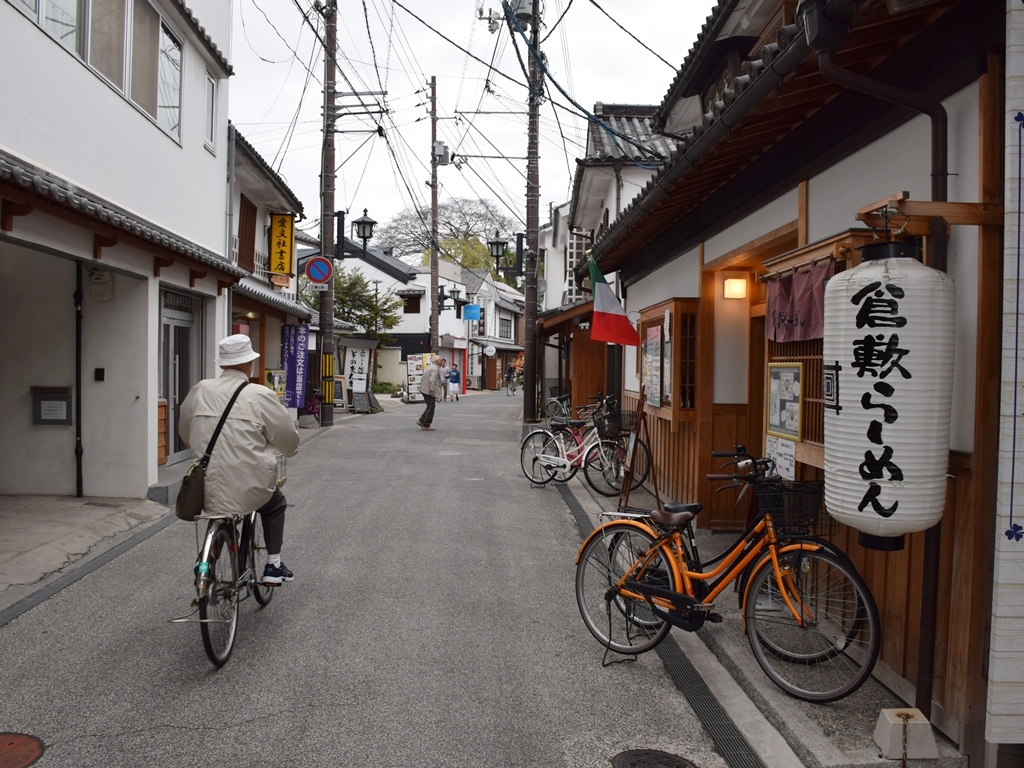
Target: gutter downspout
940, 245
229, 298
79, 478
773, 76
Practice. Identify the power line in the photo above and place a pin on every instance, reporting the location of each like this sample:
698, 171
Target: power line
602, 10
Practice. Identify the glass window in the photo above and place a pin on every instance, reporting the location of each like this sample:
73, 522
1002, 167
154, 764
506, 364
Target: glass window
106, 39
505, 328
145, 42
211, 107
169, 100
32, 5
65, 20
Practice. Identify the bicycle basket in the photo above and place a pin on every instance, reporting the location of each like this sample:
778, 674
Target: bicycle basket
795, 507
614, 423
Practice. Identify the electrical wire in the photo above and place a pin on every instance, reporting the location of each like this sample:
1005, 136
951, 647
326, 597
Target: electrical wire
602, 10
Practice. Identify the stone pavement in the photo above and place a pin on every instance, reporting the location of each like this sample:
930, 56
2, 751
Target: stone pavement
46, 542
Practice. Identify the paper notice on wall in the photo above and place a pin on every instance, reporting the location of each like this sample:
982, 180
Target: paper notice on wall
783, 452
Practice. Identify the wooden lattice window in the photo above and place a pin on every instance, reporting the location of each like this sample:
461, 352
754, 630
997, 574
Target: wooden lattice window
677, 321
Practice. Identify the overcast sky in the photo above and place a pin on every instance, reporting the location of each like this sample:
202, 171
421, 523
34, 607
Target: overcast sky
276, 94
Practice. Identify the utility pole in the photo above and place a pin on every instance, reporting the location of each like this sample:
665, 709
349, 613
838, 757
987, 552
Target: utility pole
434, 345
327, 217
532, 221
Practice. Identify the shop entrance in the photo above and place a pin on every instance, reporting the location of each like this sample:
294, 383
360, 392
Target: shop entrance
180, 362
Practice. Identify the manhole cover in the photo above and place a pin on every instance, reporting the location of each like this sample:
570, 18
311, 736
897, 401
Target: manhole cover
19, 750
649, 758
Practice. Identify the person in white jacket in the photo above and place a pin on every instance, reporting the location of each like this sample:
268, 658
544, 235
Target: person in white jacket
242, 474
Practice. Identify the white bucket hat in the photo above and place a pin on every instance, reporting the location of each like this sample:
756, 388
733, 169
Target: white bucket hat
235, 350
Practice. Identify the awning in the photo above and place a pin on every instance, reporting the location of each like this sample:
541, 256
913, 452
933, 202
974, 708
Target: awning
501, 346
410, 291
249, 287
564, 320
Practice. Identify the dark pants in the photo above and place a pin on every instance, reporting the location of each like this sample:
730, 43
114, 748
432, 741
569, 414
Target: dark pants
272, 515
428, 414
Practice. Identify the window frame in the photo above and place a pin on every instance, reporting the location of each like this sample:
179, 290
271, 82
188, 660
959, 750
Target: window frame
680, 367
210, 102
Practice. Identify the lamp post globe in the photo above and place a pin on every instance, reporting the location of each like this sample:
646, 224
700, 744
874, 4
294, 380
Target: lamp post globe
497, 247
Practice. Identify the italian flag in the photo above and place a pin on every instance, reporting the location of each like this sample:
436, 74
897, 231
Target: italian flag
609, 322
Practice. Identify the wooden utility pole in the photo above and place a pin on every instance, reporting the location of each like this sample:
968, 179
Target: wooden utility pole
330, 13
532, 222
434, 282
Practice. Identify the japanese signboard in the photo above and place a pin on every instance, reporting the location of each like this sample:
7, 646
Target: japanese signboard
785, 407
294, 353
282, 243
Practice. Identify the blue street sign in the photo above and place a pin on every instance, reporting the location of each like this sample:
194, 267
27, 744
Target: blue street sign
319, 270
471, 312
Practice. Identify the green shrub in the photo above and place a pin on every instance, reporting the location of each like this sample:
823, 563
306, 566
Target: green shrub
383, 388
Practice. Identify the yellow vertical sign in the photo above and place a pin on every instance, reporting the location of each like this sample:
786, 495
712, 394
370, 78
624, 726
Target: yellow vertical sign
282, 243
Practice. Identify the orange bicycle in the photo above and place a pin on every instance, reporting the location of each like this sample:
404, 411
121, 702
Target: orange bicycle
811, 621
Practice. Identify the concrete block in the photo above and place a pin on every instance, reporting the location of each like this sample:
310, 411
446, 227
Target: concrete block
920, 738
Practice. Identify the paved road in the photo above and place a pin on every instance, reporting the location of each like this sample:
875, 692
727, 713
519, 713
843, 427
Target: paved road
432, 623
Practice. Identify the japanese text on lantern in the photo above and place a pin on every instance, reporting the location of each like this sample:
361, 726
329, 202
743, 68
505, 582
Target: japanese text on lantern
878, 356
281, 243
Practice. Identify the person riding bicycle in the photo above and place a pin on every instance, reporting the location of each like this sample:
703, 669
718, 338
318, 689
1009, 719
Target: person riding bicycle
242, 474
510, 375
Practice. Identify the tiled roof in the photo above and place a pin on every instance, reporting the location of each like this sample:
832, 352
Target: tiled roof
263, 295
634, 121
204, 38
250, 151
700, 50
40, 183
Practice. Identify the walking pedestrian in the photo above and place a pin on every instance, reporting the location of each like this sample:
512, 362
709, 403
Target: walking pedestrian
454, 382
431, 389
445, 372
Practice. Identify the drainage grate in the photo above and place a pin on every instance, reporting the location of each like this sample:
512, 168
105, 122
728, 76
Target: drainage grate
19, 750
649, 758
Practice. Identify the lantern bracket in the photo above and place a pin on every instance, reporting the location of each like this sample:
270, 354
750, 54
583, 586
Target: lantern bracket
918, 212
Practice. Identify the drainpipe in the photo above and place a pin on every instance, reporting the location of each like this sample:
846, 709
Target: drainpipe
815, 23
231, 221
79, 481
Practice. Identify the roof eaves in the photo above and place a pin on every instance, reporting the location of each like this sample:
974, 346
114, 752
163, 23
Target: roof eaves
250, 151
40, 183
204, 38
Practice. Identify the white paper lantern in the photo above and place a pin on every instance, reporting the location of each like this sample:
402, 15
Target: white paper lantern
888, 357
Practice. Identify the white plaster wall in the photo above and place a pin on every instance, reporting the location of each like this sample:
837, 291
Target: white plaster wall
902, 162
780, 211
1005, 706
58, 106
732, 339
115, 412
38, 349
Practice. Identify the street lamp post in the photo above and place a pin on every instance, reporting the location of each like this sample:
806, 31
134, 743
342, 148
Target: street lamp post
376, 321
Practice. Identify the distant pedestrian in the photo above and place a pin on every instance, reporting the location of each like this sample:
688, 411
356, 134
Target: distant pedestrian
445, 372
454, 382
431, 388
510, 379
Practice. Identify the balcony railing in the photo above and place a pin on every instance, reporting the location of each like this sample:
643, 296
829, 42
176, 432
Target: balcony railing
261, 266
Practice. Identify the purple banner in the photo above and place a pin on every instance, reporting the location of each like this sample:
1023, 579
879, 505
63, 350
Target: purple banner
294, 353
796, 303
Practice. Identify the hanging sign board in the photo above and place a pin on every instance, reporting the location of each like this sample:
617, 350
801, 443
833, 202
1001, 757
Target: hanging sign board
282, 243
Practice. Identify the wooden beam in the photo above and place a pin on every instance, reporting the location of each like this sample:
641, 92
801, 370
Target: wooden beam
193, 275
160, 262
970, 214
222, 284
99, 242
9, 209
914, 227
802, 208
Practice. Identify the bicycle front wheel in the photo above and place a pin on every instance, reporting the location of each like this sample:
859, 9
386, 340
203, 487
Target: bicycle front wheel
620, 621
555, 410
218, 608
529, 458
259, 559
831, 651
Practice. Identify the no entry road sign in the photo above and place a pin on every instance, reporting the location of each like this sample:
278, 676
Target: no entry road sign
319, 270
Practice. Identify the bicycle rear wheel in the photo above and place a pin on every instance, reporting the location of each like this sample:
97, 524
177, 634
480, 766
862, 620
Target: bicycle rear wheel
832, 652
218, 608
620, 622
604, 467
555, 410
562, 445
529, 455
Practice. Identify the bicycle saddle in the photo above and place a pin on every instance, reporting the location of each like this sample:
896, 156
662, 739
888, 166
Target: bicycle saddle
675, 514
565, 424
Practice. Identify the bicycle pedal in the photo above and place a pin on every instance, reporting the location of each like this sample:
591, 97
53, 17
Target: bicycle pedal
714, 618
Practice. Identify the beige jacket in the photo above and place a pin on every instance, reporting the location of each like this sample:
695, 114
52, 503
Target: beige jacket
431, 383
242, 474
